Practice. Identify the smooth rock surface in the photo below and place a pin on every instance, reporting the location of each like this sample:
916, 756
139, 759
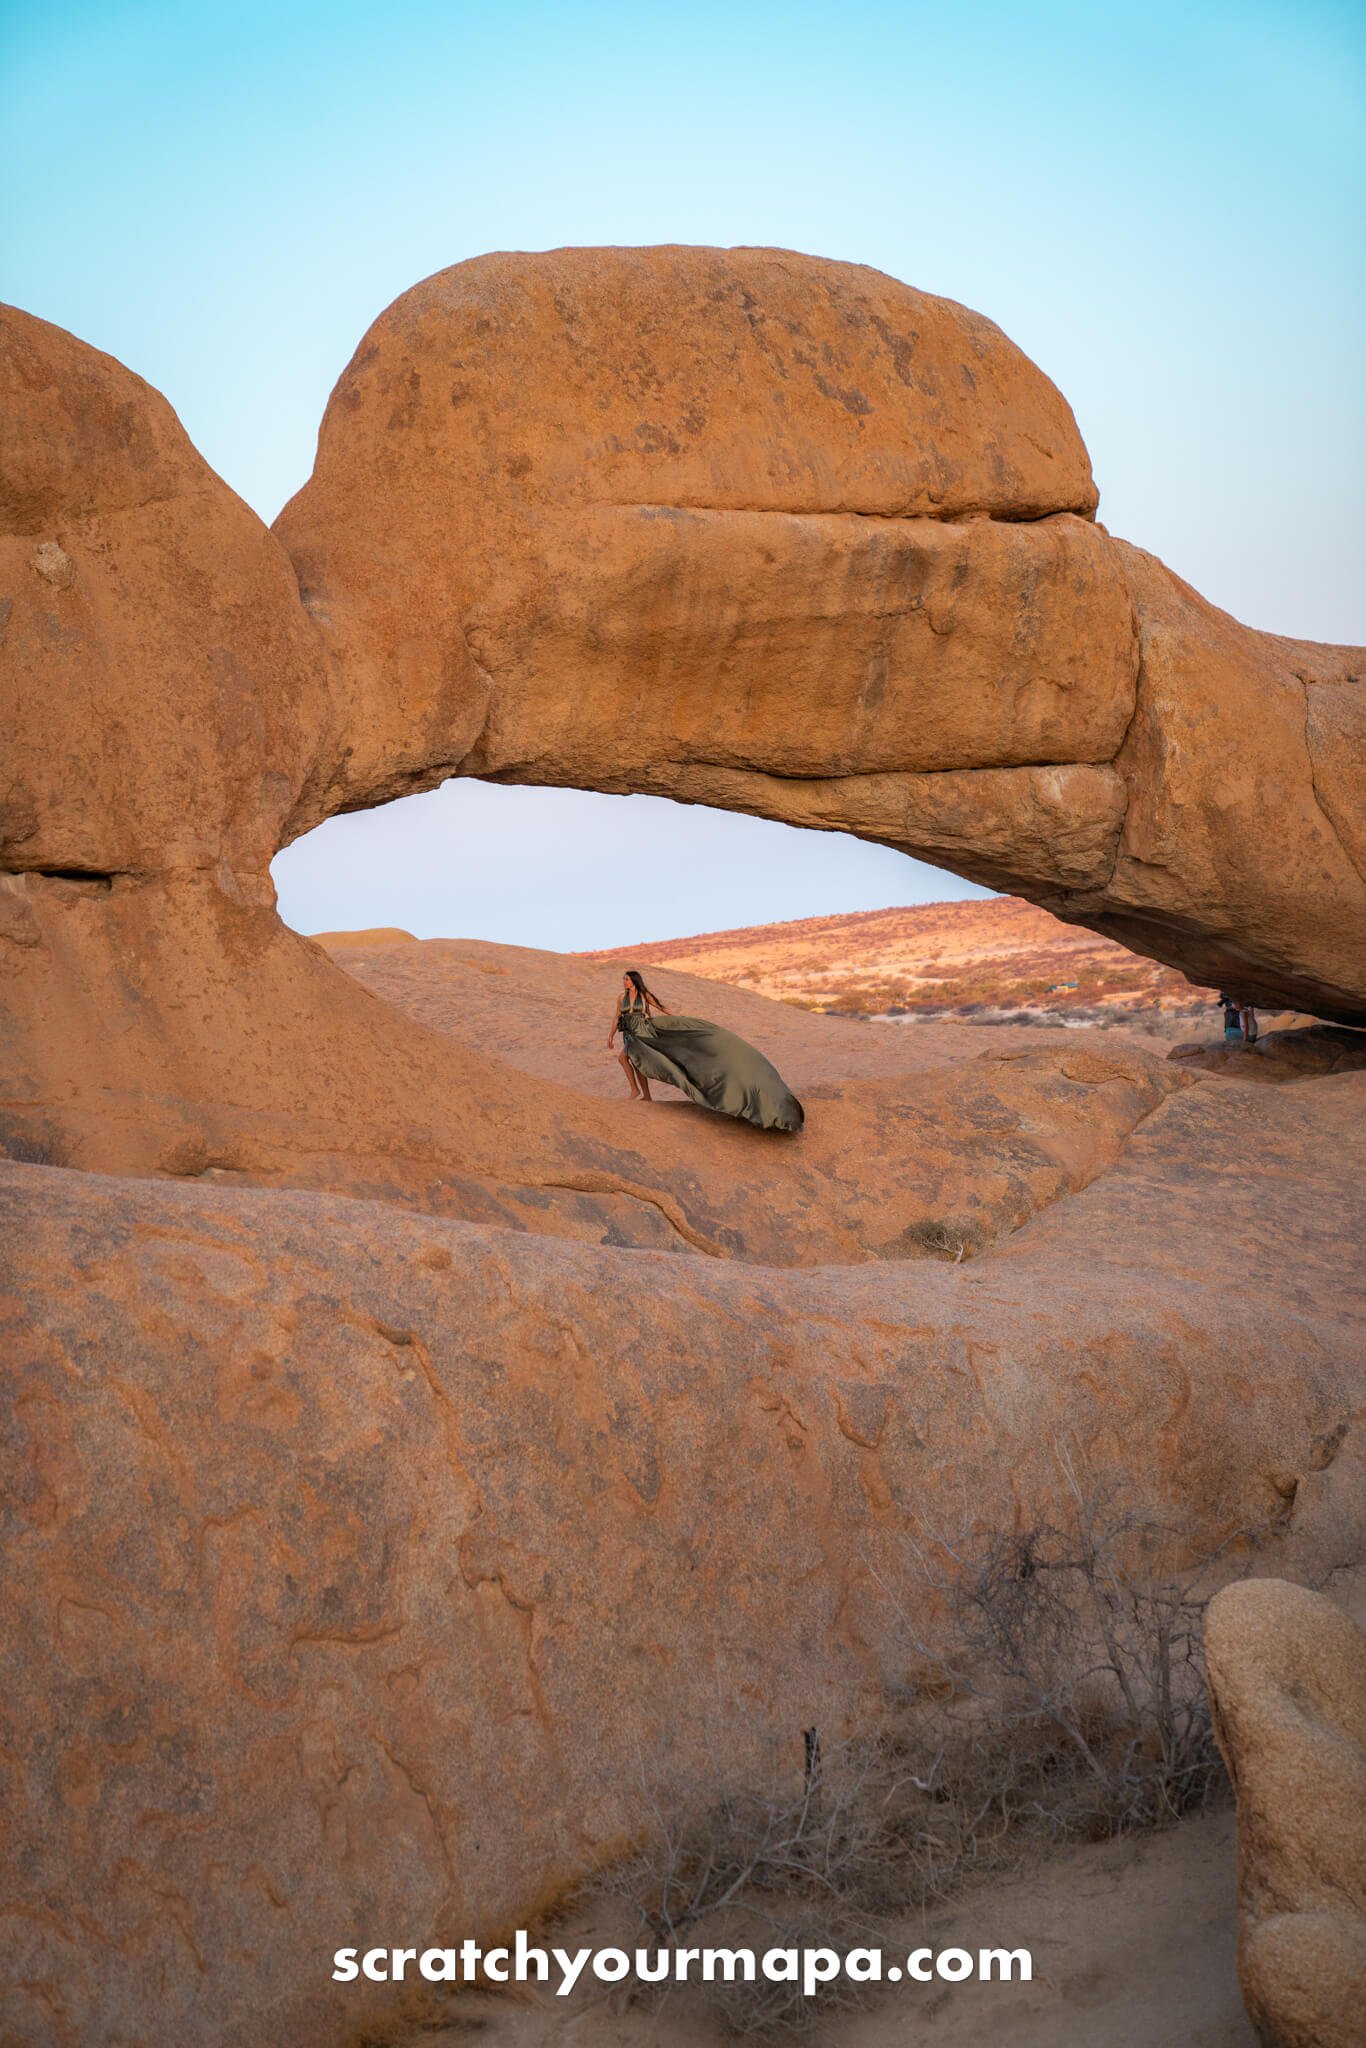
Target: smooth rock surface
782, 535
1278, 1056
162, 692
355, 1558
1287, 1673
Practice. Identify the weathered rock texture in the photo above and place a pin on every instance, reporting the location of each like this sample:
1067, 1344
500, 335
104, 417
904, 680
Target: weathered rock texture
161, 693
352, 1555
756, 530
168, 716
1277, 1056
745, 528
362, 1567
1287, 1672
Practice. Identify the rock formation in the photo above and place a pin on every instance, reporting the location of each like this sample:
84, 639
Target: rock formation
1287, 1672
785, 536
355, 1547
163, 694
361, 1565
745, 528
169, 721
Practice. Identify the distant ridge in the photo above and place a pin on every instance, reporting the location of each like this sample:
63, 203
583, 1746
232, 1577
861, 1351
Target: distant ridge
376, 935
979, 958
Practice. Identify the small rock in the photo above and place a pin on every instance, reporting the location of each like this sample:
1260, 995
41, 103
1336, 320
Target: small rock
54, 565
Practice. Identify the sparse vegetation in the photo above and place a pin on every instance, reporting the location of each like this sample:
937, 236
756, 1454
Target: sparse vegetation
418, 2015
942, 1238
1081, 1634
988, 962
1060, 1692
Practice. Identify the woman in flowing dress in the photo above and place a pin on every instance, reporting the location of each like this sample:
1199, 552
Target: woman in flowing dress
713, 1066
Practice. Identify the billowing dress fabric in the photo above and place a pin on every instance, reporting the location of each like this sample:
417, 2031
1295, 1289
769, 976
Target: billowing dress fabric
712, 1066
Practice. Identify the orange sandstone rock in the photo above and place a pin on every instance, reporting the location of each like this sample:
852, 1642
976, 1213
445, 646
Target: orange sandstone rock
162, 694
374, 935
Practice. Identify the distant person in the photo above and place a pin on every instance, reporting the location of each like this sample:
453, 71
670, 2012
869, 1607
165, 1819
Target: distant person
710, 1065
1240, 1020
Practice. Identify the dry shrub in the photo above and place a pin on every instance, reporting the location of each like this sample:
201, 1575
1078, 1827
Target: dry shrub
943, 1237
1061, 1692
1072, 1645
417, 2014
786, 1863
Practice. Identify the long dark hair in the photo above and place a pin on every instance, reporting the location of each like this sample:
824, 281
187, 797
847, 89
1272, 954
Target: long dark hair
637, 981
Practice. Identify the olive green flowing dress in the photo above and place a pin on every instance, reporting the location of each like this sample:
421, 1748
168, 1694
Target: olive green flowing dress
714, 1067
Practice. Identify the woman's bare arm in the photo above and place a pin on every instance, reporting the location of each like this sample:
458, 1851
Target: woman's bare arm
612, 1034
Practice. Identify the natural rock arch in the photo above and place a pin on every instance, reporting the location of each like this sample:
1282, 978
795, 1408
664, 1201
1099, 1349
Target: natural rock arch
335, 1531
737, 527
782, 535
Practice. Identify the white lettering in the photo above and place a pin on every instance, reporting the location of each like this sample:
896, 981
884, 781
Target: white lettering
953, 1964
821, 1964
728, 1961
811, 1967
1005, 1957
524, 1955
571, 1968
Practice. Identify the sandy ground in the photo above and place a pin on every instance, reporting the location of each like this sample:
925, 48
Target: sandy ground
1132, 1941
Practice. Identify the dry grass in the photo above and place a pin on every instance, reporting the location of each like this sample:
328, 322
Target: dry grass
942, 1238
416, 2015
1061, 1692
973, 960
1074, 1645
1052, 1685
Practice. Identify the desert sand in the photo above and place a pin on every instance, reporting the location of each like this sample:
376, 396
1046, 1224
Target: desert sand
1133, 1944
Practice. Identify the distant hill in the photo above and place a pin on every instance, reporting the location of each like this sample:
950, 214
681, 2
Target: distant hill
375, 935
982, 960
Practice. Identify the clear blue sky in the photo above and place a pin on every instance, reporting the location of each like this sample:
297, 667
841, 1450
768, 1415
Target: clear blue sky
1162, 204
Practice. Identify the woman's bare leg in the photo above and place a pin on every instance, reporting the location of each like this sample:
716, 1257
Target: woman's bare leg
640, 1087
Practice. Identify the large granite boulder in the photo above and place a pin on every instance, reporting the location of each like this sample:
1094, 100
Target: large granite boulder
1287, 1674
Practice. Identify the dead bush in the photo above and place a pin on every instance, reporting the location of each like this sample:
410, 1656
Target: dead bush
1075, 1640
793, 1862
1055, 1686
943, 1237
